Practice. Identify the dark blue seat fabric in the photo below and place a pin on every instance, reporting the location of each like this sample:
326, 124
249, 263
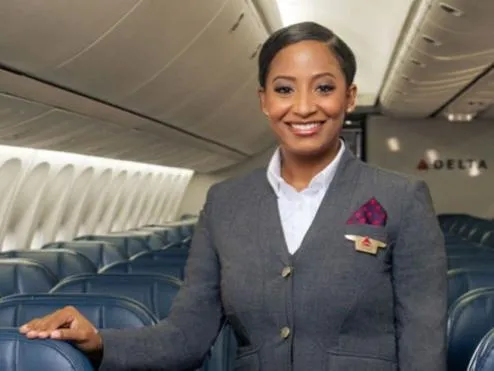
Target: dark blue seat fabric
223, 351
470, 318
24, 276
168, 234
469, 250
173, 268
62, 263
154, 241
104, 311
99, 252
470, 261
175, 251
18, 353
463, 280
155, 291
127, 245
483, 358
488, 239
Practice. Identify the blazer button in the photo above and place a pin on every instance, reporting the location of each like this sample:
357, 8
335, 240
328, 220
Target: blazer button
285, 332
286, 272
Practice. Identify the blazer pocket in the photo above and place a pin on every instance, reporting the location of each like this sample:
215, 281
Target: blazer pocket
248, 361
344, 362
373, 231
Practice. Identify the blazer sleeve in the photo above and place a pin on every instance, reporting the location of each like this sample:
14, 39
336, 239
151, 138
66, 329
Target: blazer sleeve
182, 340
420, 284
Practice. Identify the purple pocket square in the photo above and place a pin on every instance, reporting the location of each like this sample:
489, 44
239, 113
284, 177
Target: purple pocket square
369, 213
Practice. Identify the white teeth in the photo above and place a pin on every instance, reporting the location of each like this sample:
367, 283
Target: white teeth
306, 127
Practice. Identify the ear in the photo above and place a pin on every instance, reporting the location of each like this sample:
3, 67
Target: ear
351, 98
262, 100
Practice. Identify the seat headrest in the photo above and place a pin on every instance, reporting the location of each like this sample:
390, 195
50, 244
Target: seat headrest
62, 263
103, 311
18, 353
470, 318
24, 276
155, 291
127, 245
483, 358
172, 267
99, 252
463, 280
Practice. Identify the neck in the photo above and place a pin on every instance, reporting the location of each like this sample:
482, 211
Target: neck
298, 171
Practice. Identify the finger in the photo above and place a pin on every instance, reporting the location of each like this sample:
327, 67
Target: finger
29, 326
69, 334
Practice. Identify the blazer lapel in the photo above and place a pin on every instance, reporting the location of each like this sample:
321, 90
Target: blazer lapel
271, 235
337, 201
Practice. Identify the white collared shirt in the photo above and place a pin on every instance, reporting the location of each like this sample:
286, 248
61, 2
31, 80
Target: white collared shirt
298, 209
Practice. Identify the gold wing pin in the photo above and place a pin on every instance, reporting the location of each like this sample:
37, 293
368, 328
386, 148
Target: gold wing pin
365, 244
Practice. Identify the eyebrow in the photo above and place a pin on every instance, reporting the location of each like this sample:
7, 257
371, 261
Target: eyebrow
316, 76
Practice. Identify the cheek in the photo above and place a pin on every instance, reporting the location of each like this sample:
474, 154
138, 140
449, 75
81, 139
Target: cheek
277, 108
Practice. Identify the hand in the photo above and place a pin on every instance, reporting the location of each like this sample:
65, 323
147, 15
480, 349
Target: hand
65, 324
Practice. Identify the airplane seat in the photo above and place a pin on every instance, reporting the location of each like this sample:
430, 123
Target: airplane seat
174, 251
154, 241
99, 252
488, 239
103, 311
470, 319
223, 352
155, 291
18, 353
468, 249
24, 276
127, 245
173, 268
470, 261
167, 233
463, 280
62, 263
483, 357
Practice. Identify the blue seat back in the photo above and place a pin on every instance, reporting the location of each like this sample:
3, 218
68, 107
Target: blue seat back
62, 263
488, 239
483, 357
168, 234
24, 276
155, 291
173, 268
177, 252
152, 240
18, 353
470, 318
470, 261
463, 280
127, 245
99, 252
104, 311
469, 250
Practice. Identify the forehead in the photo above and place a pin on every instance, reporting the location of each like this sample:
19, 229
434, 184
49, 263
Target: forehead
305, 57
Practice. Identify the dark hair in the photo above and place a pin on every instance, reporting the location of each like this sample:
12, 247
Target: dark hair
306, 31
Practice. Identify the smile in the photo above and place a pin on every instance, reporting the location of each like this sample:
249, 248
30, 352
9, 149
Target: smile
306, 129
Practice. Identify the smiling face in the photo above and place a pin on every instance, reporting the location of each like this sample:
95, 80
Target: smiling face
306, 98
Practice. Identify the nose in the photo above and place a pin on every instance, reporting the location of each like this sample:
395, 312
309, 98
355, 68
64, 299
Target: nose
304, 104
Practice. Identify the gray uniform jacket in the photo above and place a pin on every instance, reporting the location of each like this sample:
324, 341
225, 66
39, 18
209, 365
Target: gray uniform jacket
328, 307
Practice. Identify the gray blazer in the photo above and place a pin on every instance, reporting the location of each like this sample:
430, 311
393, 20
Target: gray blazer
328, 307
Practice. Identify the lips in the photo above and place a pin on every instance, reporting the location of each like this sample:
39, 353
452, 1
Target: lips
306, 128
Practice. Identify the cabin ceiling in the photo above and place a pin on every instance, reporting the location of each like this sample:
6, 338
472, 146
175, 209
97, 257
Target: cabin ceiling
444, 64
167, 82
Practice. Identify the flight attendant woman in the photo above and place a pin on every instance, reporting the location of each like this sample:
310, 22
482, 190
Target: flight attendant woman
319, 262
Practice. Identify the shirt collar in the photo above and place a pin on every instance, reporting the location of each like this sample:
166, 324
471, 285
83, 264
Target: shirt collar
321, 181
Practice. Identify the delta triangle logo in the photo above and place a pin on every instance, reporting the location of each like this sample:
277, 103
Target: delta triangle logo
422, 165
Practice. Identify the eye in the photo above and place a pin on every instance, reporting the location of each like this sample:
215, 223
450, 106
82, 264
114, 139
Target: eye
325, 88
283, 90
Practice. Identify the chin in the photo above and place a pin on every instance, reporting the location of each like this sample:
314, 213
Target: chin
308, 150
